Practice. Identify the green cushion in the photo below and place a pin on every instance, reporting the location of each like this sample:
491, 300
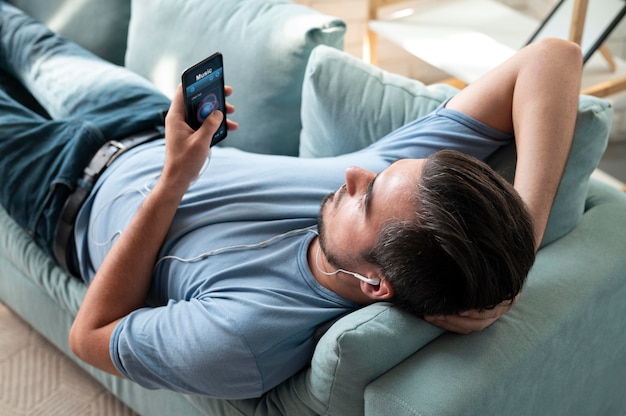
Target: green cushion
359, 348
590, 140
265, 43
348, 105
559, 351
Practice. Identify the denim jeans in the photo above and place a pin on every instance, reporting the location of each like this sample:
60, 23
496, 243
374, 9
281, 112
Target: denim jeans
89, 101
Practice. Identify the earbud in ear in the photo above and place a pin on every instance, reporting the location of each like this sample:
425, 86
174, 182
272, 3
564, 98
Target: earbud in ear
372, 281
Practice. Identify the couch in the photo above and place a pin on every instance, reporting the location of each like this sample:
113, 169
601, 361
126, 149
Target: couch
561, 350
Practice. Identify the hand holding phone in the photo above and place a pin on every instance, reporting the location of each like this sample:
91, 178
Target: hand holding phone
203, 92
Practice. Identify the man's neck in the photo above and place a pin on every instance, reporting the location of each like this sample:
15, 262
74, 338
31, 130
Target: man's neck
318, 264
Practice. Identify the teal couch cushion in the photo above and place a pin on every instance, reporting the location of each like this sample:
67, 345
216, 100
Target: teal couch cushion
265, 43
591, 137
560, 351
347, 105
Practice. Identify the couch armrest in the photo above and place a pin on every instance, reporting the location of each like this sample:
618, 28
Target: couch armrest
359, 348
356, 350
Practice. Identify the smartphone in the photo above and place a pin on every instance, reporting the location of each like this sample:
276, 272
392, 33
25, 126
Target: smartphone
203, 92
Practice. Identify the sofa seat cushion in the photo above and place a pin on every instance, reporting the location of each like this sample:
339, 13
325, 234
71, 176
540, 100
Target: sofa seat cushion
265, 44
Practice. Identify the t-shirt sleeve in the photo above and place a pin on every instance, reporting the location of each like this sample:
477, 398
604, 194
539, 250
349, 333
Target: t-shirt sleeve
186, 346
442, 129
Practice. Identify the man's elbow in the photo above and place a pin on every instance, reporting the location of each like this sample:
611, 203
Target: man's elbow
92, 347
75, 340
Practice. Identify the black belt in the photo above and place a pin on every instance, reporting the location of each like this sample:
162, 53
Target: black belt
103, 158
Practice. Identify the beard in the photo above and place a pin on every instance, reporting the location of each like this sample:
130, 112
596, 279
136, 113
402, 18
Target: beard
330, 255
321, 223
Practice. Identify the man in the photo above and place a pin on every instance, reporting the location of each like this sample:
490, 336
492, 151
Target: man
211, 277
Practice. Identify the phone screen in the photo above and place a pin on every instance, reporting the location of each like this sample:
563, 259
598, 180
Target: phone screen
203, 92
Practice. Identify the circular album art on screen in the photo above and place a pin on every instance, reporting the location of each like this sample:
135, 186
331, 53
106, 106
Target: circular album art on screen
206, 107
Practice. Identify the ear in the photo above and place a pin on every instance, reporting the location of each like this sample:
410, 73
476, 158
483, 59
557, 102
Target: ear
382, 291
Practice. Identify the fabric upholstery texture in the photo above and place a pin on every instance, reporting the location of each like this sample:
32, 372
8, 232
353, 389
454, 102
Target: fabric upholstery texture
348, 104
255, 38
542, 356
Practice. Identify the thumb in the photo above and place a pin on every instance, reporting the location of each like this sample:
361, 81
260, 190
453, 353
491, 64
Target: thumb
211, 123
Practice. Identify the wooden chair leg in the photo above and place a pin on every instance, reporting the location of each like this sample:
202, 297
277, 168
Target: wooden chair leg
578, 21
455, 82
607, 88
370, 47
608, 56
370, 40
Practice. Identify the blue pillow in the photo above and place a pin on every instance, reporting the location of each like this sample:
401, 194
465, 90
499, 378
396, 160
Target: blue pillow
265, 43
348, 104
591, 137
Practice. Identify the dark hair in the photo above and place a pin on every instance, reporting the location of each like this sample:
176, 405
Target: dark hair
470, 246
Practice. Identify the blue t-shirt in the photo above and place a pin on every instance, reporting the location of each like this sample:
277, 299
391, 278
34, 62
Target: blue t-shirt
227, 316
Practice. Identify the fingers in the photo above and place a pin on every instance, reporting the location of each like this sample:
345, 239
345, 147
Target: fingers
483, 314
228, 91
461, 324
176, 112
232, 125
466, 322
230, 109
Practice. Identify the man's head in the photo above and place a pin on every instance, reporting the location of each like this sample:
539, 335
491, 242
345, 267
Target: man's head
447, 233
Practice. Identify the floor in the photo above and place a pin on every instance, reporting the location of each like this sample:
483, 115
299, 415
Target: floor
38, 380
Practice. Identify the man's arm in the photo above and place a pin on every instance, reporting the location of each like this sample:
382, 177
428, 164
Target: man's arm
122, 282
535, 95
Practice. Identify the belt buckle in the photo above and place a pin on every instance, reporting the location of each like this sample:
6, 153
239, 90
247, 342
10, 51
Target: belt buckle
121, 148
102, 160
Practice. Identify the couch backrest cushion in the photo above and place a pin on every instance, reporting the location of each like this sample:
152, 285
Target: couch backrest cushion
348, 105
591, 137
99, 26
265, 43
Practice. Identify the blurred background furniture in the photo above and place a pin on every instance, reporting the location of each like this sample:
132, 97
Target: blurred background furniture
466, 38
